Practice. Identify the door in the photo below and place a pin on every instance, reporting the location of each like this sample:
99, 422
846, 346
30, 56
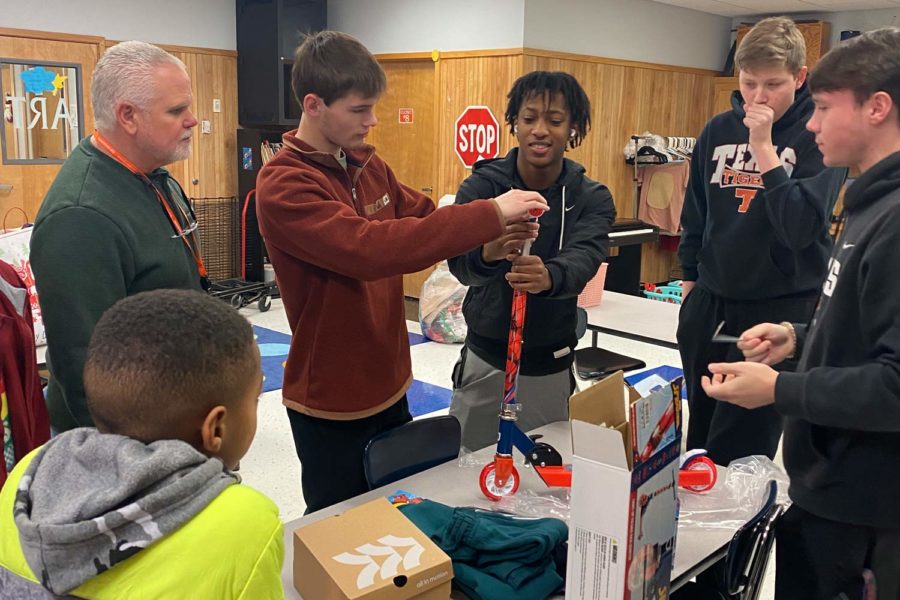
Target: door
405, 134
28, 127
723, 88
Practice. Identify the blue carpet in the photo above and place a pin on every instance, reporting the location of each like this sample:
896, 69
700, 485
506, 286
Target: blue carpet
416, 338
273, 349
426, 398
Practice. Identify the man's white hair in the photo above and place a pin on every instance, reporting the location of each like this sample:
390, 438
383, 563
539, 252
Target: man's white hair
125, 72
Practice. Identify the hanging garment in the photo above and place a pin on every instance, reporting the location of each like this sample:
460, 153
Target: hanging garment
23, 412
662, 194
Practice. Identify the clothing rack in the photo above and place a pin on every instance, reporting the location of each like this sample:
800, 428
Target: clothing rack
650, 149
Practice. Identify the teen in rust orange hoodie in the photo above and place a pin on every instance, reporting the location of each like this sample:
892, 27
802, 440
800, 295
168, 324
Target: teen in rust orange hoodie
341, 231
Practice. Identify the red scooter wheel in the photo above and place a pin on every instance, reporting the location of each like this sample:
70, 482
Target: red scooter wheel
710, 474
489, 487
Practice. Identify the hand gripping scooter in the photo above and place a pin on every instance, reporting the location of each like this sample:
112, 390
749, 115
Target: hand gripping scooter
500, 478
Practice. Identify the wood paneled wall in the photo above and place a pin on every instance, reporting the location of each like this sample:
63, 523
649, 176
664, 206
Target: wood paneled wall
213, 162
628, 98
409, 146
31, 182
211, 170
466, 79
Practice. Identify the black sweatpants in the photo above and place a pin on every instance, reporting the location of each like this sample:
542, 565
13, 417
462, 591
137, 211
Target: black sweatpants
725, 430
331, 453
820, 559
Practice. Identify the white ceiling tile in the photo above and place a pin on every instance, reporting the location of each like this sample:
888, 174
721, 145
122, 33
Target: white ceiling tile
716, 7
732, 8
756, 7
842, 5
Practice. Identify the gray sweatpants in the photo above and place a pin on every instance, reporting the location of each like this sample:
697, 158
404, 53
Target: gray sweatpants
478, 393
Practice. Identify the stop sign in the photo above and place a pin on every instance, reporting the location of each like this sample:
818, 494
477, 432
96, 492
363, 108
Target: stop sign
477, 135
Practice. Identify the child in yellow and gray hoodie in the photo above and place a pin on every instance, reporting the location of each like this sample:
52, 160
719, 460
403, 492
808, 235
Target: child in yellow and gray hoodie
147, 505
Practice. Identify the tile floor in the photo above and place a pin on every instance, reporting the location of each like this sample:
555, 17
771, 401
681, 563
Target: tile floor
271, 464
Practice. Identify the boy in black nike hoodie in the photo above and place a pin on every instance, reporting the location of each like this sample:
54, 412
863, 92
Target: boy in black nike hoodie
842, 406
547, 112
755, 230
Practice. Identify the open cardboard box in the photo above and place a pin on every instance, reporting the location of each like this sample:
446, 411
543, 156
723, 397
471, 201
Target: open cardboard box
624, 503
371, 552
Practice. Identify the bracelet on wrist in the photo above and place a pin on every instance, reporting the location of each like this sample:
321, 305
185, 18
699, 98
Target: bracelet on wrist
793, 335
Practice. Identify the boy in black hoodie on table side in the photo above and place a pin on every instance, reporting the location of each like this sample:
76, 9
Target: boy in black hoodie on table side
842, 406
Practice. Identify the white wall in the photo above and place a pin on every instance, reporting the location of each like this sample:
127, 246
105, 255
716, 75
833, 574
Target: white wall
200, 23
423, 25
629, 29
860, 20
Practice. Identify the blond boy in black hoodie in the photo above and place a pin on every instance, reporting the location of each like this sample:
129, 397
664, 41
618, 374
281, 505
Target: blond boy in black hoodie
755, 224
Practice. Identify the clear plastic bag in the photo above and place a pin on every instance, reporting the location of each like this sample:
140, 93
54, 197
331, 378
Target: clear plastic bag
440, 307
550, 502
736, 497
473, 460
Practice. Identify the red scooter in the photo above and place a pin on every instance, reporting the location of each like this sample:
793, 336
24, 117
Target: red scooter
500, 478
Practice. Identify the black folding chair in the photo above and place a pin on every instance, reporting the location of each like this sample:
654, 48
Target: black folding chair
750, 548
746, 560
410, 449
596, 363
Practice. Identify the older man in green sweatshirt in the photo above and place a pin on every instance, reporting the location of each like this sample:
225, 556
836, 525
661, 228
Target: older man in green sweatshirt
115, 223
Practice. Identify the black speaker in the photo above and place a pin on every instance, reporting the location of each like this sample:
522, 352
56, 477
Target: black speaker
268, 31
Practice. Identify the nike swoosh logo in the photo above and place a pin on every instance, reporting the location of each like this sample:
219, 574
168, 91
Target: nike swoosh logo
845, 246
568, 208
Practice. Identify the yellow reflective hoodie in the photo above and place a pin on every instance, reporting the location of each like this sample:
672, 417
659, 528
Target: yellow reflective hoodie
233, 548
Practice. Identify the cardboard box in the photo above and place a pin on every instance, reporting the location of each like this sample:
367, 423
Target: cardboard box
372, 552
624, 502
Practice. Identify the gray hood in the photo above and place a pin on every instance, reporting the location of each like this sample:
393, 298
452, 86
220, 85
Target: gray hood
90, 500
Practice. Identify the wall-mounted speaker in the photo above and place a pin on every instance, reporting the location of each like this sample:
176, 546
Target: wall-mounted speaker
268, 31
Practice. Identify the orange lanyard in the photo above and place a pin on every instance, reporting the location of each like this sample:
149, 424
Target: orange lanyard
191, 245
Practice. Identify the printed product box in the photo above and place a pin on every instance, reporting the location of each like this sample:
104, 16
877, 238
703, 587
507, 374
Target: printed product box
624, 503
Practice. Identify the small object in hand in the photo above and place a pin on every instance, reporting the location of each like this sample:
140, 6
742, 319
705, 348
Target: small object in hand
723, 338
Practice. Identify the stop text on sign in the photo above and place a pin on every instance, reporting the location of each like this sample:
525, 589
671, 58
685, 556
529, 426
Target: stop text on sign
477, 135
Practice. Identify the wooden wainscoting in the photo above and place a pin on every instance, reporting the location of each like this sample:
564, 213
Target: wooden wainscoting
471, 79
31, 182
409, 147
211, 171
457, 80
627, 97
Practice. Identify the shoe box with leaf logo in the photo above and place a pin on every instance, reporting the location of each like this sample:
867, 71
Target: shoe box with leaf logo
370, 552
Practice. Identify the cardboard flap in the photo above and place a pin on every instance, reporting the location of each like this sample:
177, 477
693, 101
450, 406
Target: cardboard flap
625, 430
601, 403
599, 444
